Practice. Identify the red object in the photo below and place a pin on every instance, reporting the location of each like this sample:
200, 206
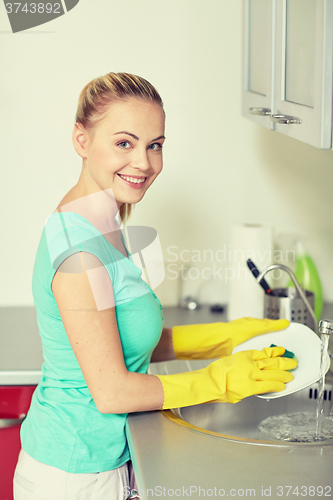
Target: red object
14, 404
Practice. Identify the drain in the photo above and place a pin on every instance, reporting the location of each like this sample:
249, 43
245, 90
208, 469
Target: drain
313, 394
297, 427
301, 427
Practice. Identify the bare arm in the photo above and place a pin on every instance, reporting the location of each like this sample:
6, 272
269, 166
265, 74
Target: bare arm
164, 349
94, 337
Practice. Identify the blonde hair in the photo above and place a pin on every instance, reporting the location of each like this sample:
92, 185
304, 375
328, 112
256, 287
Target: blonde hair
97, 95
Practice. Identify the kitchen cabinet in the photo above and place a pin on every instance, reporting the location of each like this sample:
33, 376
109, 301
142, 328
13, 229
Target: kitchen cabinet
14, 405
20, 371
288, 60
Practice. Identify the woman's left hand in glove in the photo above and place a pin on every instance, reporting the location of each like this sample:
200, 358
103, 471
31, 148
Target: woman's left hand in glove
216, 340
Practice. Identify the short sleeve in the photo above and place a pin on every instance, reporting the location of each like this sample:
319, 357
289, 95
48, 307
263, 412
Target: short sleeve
67, 234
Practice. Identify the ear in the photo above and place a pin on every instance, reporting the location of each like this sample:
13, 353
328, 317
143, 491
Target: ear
80, 139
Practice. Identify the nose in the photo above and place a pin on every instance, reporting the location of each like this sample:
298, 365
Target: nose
141, 160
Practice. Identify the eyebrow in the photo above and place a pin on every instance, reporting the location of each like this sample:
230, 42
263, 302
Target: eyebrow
136, 137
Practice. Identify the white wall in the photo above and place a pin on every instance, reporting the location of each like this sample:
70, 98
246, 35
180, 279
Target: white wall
219, 168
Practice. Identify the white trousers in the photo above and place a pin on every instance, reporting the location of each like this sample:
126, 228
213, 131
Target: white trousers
34, 480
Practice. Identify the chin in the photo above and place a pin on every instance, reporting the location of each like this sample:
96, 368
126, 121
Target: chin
135, 200
130, 200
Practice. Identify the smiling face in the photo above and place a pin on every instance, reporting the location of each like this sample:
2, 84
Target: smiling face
124, 151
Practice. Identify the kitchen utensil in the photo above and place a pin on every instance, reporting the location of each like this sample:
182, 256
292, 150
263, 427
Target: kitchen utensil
254, 270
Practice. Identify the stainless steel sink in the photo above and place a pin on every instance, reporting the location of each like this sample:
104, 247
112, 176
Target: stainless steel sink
239, 422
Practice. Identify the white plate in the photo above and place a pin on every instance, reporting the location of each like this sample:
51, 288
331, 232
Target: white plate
306, 346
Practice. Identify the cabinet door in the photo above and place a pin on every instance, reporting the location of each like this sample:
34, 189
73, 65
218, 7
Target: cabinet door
14, 404
258, 70
304, 70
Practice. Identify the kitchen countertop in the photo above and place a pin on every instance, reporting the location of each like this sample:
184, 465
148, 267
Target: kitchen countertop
167, 456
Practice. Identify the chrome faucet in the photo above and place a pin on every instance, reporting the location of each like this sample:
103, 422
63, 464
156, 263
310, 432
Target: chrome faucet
326, 326
297, 286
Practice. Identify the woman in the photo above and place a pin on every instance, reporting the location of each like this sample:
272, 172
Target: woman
100, 322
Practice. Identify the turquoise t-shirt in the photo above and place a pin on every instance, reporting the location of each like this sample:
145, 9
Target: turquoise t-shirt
63, 427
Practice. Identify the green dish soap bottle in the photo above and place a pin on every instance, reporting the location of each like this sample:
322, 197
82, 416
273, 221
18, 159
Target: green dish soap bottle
307, 276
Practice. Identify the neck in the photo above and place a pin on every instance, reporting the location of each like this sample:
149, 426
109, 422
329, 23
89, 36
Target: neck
99, 208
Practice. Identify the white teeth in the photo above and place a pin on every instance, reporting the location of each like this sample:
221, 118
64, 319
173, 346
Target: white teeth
133, 179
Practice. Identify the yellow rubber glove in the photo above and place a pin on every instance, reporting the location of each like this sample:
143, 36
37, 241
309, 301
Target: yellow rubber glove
229, 379
216, 340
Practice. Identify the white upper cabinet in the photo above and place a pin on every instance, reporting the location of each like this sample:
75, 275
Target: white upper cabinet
288, 59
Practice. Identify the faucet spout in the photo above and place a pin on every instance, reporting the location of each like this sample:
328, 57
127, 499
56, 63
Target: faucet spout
326, 326
297, 286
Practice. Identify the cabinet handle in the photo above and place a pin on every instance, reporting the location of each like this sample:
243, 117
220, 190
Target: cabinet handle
286, 119
260, 111
11, 422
